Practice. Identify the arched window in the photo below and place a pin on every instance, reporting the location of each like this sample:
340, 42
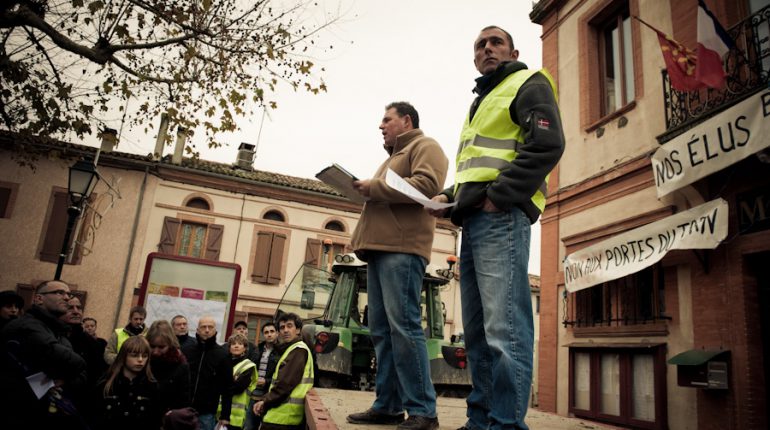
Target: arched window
198, 203
335, 225
274, 216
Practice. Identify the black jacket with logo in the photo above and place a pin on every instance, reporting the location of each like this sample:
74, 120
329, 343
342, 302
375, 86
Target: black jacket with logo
542, 148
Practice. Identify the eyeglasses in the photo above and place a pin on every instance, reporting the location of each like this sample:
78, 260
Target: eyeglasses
64, 293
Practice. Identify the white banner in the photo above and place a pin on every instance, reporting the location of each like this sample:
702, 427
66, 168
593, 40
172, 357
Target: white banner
702, 227
718, 142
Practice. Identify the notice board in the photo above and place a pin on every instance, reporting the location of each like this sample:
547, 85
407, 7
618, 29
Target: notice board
175, 285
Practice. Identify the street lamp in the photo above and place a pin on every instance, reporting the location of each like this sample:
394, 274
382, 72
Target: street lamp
82, 180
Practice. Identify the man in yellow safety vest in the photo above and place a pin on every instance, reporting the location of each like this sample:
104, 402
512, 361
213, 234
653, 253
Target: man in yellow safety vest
284, 404
135, 327
511, 140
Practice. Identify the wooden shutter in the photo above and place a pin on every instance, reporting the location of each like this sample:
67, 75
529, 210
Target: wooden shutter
57, 224
313, 252
5, 200
276, 259
214, 241
168, 235
262, 256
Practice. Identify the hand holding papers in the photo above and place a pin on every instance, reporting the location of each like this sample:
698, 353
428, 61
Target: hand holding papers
342, 181
40, 384
399, 184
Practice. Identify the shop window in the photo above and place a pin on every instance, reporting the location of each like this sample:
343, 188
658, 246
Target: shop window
268, 259
624, 386
191, 239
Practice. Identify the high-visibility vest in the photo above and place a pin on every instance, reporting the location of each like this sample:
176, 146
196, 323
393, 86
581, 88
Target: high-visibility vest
292, 411
490, 141
241, 400
123, 335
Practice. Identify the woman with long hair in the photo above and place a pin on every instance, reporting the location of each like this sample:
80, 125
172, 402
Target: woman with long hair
169, 366
127, 394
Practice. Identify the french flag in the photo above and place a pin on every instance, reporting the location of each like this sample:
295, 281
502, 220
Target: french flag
713, 44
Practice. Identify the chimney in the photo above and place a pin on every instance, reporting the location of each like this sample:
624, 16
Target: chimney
109, 139
181, 138
245, 158
162, 133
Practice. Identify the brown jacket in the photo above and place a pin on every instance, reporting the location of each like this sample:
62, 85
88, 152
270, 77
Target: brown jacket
391, 221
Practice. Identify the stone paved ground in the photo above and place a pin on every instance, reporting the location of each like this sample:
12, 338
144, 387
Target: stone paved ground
451, 413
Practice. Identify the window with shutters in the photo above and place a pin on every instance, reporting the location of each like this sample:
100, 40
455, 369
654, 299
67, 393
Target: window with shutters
55, 226
191, 239
318, 256
8, 193
269, 257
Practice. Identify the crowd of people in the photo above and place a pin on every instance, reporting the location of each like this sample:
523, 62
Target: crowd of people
53, 366
57, 373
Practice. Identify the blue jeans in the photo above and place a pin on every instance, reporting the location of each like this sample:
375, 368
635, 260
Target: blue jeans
497, 317
208, 421
394, 285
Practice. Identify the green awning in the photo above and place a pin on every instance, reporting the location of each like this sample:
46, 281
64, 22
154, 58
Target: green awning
694, 357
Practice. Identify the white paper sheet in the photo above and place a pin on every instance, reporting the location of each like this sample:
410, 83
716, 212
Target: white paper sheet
40, 384
399, 184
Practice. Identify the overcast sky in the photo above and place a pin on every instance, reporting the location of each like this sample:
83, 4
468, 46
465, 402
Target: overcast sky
419, 51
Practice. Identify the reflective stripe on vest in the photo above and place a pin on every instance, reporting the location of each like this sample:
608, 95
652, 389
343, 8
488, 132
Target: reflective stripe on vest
292, 411
490, 141
123, 335
241, 400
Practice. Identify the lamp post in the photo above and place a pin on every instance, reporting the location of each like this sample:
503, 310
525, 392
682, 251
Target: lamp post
82, 180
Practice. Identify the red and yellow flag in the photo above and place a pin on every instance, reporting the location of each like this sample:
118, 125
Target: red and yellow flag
680, 63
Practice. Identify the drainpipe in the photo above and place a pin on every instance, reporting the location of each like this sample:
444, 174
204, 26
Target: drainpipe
131, 247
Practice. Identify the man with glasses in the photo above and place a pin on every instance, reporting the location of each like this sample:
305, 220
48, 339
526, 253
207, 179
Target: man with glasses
39, 354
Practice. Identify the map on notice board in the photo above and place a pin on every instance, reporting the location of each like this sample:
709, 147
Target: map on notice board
192, 287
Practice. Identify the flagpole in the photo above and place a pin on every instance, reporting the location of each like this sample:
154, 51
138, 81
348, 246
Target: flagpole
645, 23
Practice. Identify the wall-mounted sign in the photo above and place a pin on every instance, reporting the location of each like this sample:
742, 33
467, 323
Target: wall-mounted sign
718, 142
702, 227
753, 210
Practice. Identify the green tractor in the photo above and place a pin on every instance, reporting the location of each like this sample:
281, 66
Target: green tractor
334, 309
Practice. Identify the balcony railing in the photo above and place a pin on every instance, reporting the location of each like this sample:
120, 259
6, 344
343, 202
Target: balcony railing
633, 300
747, 67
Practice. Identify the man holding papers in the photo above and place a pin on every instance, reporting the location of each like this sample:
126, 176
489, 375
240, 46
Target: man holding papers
394, 236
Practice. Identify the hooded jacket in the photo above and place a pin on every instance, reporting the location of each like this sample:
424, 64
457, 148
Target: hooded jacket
391, 221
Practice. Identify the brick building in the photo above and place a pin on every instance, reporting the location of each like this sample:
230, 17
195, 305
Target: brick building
684, 342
